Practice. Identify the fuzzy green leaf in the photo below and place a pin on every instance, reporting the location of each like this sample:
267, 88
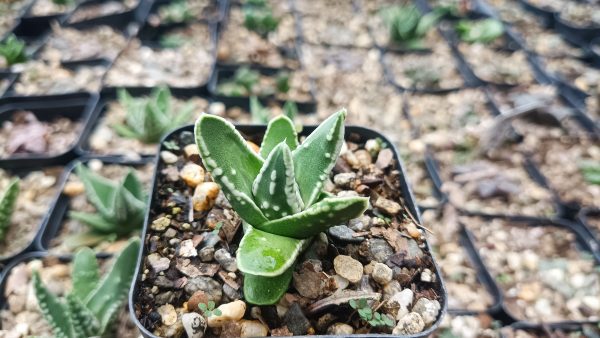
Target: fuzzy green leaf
314, 159
274, 189
231, 162
317, 218
268, 255
84, 322
53, 310
98, 190
260, 290
280, 129
7, 206
111, 292
85, 273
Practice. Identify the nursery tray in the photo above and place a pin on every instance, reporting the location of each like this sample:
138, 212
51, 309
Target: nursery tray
73, 106
118, 20
583, 218
545, 16
364, 133
59, 212
580, 36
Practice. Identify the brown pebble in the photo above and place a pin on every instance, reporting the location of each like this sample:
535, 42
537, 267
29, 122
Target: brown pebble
254, 147
191, 152
192, 174
197, 298
205, 196
73, 188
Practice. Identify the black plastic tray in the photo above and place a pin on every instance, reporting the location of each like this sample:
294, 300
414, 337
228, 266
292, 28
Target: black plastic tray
119, 20
580, 237
546, 16
583, 218
42, 223
364, 133
219, 13
59, 212
580, 36
74, 106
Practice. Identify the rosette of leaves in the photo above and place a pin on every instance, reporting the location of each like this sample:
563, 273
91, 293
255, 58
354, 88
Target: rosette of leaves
12, 49
408, 26
278, 192
479, 31
258, 17
8, 200
90, 308
120, 206
149, 118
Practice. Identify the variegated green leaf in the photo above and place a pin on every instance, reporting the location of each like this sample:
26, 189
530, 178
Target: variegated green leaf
111, 292
317, 218
53, 310
264, 254
262, 290
275, 190
98, 190
84, 322
85, 273
280, 129
316, 156
231, 162
7, 206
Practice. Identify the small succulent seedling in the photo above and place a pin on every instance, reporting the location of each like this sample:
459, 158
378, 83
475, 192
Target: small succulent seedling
120, 206
368, 315
591, 171
282, 82
209, 309
173, 41
278, 192
481, 31
149, 118
90, 308
176, 12
8, 199
241, 84
408, 26
13, 50
258, 17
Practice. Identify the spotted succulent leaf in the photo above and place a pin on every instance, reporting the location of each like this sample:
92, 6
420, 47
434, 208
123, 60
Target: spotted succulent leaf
264, 254
318, 218
231, 162
260, 290
279, 129
7, 206
54, 311
84, 322
85, 273
275, 190
111, 292
316, 156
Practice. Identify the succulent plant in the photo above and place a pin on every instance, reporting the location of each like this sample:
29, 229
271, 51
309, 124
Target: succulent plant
90, 308
176, 12
7, 206
258, 17
278, 192
260, 114
149, 118
242, 84
120, 206
482, 31
13, 50
408, 26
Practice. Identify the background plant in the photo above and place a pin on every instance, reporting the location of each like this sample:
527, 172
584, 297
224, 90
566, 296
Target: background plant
278, 193
89, 310
176, 12
479, 31
149, 118
120, 206
591, 171
261, 114
408, 26
241, 84
258, 17
13, 50
7, 206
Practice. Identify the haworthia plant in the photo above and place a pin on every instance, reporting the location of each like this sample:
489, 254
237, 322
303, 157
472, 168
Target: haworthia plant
88, 311
13, 50
120, 206
149, 118
278, 193
8, 200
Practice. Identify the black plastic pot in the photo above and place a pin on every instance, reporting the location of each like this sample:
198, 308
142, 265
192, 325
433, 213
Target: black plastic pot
363, 133
59, 212
78, 106
9, 78
580, 36
594, 49
584, 215
43, 221
580, 237
6, 270
546, 16
242, 101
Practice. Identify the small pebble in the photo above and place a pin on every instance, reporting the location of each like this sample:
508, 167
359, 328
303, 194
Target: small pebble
205, 196
167, 313
158, 263
373, 146
233, 311
344, 180
348, 267
73, 188
195, 300
194, 324
187, 249
160, 224
387, 206
191, 152
226, 260
340, 329
426, 276
207, 254
411, 323
168, 157
192, 174
404, 298
428, 309
382, 273
253, 328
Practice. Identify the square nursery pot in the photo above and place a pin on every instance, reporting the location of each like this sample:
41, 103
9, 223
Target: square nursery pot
76, 107
34, 229
173, 193
59, 214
